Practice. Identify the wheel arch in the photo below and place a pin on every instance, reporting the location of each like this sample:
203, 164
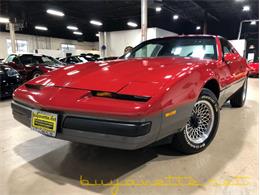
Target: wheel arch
213, 85
35, 70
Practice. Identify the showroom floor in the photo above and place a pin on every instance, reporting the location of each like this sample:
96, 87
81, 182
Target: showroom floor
34, 164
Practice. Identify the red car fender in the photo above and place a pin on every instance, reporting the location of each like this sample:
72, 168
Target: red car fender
186, 87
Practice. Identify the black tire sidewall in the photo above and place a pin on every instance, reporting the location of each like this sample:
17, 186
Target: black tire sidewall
36, 72
237, 99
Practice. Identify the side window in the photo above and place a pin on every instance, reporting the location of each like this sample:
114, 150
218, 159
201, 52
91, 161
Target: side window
26, 59
16, 60
226, 48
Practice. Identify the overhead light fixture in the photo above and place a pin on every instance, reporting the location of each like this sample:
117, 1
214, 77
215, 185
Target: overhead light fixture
158, 9
253, 22
97, 34
77, 33
175, 17
252, 47
72, 27
95, 22
132, 24
55, 12
198, 27
239, 0
41, 28
4, 20
246, 8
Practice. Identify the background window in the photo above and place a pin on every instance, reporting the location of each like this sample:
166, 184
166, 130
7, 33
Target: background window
21, 46
67, 47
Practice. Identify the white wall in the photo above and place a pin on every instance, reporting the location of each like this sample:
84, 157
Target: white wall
163, 33
118, 40
240, 46
47, 44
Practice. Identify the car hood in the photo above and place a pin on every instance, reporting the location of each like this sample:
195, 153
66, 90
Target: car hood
134, 76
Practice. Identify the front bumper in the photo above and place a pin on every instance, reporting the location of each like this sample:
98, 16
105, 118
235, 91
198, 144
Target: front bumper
106, 131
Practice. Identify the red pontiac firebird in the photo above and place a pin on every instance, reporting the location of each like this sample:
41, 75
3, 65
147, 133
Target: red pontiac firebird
170, 88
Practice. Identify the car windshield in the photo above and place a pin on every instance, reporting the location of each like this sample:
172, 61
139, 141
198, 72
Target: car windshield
193, 47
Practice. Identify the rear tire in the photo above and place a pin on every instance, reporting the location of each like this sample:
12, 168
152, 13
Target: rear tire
202, 126
239, 98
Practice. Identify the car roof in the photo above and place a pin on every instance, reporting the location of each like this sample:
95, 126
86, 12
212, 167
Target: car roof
33, 54
187, 36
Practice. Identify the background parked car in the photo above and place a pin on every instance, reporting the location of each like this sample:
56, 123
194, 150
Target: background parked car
108, 58
77, 59
254, 68
91, 55
32, 65
9, 81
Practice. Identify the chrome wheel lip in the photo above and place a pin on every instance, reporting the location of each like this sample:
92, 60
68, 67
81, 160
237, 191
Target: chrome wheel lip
198, 135
36, 75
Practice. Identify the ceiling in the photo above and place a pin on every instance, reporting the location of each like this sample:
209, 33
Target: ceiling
223, 18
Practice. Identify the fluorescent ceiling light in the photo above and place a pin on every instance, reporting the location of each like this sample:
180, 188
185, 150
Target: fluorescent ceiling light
158, 9
55, 12
252, 47
97, 34
176, 17
246, 8
4, 20
95, 22
41, 28
72, 27
198, 27
132, 24
77, 33
253, 22
239, 0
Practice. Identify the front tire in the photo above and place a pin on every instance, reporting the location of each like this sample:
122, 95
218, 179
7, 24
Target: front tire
202, 126
239, 98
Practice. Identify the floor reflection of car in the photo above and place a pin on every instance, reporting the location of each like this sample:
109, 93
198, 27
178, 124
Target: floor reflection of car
9, 81
32, 65
253, 68
77, 59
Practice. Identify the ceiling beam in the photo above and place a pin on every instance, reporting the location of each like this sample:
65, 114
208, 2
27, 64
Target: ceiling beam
208, 13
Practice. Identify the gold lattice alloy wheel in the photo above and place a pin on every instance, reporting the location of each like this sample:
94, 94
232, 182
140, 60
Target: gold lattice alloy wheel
200, 124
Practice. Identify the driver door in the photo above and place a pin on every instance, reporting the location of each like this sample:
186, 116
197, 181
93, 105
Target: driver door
233, 68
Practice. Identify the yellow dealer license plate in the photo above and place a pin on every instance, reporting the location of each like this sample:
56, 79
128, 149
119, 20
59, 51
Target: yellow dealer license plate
44, 122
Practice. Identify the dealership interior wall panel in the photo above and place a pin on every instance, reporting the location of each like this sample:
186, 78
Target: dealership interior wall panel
118, 40
43, 42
